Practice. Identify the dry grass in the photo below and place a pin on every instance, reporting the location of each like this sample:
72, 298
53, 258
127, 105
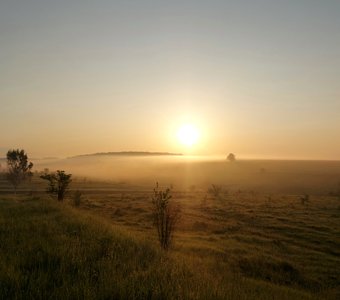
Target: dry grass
247, 244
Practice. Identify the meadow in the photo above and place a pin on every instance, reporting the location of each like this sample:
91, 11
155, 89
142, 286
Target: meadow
248, 230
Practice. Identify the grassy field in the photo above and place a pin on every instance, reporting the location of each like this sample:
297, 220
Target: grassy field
252, 241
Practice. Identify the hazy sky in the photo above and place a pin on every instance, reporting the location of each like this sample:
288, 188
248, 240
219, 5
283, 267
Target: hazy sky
259, 78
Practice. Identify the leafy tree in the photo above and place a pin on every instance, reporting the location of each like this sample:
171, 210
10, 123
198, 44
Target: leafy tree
231, 157
19, 168
165, 215
58, 183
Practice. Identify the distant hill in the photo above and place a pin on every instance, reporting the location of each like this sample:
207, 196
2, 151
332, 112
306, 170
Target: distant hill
129, 153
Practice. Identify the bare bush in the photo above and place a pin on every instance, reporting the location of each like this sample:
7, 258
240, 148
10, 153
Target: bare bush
215, 190
304, 199
165, 215
77, 197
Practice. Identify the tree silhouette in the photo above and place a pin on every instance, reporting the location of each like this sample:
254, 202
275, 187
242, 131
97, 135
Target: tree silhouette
58, 183
231, 157
19, 168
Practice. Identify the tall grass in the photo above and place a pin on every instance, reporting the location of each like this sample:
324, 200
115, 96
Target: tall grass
49, 250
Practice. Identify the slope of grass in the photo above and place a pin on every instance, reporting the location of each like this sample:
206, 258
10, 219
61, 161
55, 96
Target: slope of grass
272, 238
51, 251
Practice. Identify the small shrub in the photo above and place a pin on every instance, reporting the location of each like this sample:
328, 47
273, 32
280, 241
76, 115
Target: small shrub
304, 199
279, 272
165, 215
215, 190
77, 196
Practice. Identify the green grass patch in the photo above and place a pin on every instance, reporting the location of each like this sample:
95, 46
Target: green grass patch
50, 250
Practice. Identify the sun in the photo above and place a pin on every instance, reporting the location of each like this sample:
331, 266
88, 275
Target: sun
188, 135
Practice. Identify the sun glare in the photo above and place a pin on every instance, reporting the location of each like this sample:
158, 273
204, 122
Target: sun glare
188, 135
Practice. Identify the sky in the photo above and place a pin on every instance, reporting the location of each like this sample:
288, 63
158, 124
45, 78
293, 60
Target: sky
259, 78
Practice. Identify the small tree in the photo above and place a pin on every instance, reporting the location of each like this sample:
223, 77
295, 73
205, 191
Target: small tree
231, 157
165, 215
19, 168
58, 183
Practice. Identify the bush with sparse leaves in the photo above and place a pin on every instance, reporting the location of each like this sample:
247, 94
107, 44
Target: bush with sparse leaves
77, 196
165, 215
215, 190
304, 199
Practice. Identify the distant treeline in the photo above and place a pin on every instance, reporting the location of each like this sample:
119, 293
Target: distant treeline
128, 153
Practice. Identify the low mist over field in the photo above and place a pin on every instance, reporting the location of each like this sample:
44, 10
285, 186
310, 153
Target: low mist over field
271, 227
187, 171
